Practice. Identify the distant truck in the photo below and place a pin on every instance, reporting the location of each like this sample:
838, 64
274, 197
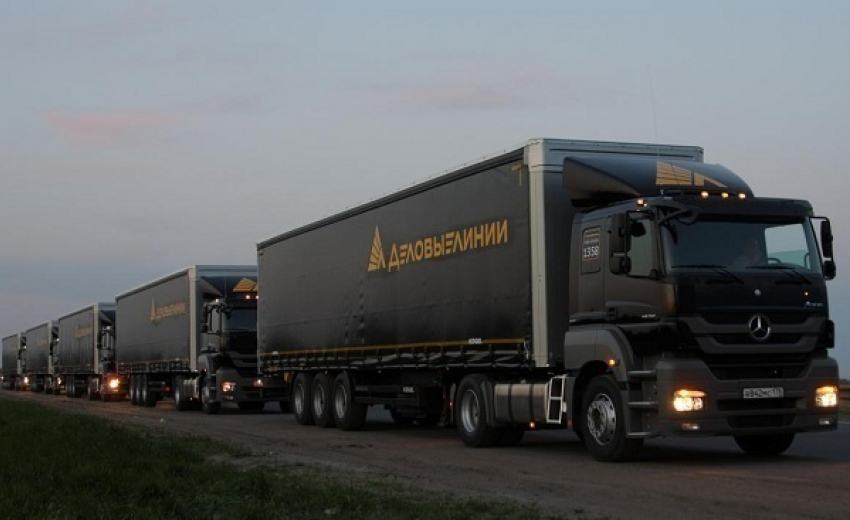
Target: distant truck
40, 347
14, 361
191, 336
86, 359
592, 285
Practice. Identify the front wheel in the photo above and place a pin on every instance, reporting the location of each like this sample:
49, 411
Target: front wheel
764, 445
208, 406
182, 402
604, 426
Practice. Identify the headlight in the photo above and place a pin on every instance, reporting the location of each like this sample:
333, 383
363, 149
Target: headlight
26, 380
58, 381
228, 387
114, 384
688, 400
826, 397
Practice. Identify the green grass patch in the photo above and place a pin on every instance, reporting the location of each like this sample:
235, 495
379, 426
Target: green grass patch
60, 465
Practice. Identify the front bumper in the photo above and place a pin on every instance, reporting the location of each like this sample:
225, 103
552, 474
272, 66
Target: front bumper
727, 412
255, 389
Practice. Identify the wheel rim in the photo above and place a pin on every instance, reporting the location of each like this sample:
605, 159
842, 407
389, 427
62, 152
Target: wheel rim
470, 411
602, 419
298, 398
319, 399
341, 400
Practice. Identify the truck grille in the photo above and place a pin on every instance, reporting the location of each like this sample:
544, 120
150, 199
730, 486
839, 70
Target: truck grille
773, 366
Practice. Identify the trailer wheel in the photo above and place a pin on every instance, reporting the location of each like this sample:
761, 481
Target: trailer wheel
471, 414
208, 406
302, 407
765, 445
134, 390
181, 400
604, 428
349, 415
148, 398
322, 392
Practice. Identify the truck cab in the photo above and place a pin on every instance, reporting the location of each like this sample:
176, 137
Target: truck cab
708, 304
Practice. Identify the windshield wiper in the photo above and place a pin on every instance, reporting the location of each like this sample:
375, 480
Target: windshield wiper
717, 268
788, 269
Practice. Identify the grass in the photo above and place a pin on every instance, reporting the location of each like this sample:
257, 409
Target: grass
60, 465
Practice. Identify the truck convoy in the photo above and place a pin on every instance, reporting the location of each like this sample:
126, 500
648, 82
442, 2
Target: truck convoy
626, 291
86, 363
40, 347
192, 336
14, 361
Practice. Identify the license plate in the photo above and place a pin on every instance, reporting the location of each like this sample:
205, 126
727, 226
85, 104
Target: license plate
764, 393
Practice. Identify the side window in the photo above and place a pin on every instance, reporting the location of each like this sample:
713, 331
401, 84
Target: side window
590, 250
640, 253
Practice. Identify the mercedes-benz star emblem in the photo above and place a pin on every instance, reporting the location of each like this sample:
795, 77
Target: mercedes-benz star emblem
759, 327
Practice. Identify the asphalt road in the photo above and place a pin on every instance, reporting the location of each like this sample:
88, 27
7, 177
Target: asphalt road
673, 478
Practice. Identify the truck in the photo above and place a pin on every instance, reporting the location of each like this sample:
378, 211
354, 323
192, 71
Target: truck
191, 336
40, 347
588, 285
86, 360
14, 361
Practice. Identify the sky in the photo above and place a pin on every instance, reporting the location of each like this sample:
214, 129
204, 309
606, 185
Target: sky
137, 138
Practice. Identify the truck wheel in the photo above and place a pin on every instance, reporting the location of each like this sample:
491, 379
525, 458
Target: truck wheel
148, 398
181, 400
604, 427
764, 445
471, 414
134, 390
348, 415
208, 406
302, 407
94, 395
322, 392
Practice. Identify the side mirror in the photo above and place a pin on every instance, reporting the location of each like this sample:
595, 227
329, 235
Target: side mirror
826, 238
829, 269
619, 236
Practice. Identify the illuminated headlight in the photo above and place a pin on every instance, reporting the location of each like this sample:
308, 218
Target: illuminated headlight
228, 387
688, 400
114, 383
58, 381
26, 380
826, 397
258, 383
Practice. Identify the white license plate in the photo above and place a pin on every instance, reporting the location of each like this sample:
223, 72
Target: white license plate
764, 393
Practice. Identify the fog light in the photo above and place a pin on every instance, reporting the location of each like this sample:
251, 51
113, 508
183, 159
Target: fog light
824, 422
258, 383
688, 400
26, 380
690, 427
228, 387
826, 397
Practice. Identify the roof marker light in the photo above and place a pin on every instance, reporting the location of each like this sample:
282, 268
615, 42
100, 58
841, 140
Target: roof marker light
742, 196
704, 194
724, 195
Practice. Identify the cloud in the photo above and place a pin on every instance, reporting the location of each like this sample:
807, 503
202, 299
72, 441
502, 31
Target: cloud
110, 129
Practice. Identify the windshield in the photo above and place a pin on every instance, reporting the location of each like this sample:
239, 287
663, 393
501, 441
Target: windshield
241, 319
741, 246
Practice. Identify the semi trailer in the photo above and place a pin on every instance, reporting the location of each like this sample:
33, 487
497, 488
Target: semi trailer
41, 348
191, 336
598, 286
14, 361
86, 360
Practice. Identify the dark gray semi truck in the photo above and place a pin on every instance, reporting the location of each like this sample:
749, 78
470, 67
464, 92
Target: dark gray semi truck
86, 354
38, 371
625, 291
191, 336
14, 361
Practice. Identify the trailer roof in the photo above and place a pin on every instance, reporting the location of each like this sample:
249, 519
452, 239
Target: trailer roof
200, 271
103, 306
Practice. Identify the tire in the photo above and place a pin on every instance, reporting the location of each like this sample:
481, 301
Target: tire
471, 414
93, 394
301, 400
603, 424
322, 399
148, 398
512, 436
134, 390
208, 406
765, 445
348, 415
181, 400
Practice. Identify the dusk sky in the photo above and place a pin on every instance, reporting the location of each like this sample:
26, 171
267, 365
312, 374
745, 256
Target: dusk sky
138, 138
